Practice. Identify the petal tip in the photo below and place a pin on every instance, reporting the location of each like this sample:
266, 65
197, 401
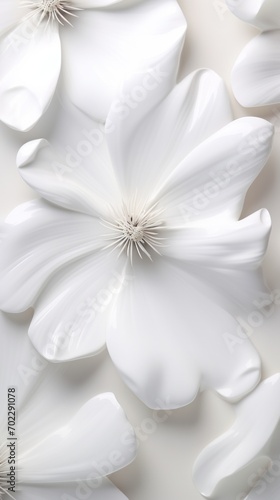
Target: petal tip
28, 152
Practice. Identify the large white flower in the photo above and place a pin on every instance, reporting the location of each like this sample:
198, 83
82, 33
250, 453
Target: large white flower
109, 40
244, 462
137, 243
256, 73
63, 444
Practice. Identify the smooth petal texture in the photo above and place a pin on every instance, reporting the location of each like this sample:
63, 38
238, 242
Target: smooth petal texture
165, 350
235, 245
226, 259
68, 182
42, 239
265, 14
146, 146
231, 465
92, 490
91, 445
96, 4
213, 179
30, 59
256, 73
71, 314
118, 43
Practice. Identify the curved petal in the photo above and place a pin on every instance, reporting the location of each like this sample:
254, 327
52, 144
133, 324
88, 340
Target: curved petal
38, 244
146, 146
265, 14
30, 58
212, 180
227, 260
98, 490
67, 182
92, 444
107, 46
166, 350
231, 465
71, 314
236, 244
256, 73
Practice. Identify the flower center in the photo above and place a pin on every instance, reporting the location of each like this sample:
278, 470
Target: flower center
52, 10
135, 228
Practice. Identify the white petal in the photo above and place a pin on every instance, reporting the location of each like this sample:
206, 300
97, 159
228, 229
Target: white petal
212, 180
95, 442
228, 467
265, 14
30, 58
40, 241
71, 314
68, 182
236, 244
107, 46
95, 4
147, 146
166, 350
226, 259
256, 73
72, 491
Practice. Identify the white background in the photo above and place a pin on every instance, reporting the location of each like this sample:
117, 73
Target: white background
167, 451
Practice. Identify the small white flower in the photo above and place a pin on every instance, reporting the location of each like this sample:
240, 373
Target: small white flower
244, 462
89, 46
256, 72
64, 441
138, 244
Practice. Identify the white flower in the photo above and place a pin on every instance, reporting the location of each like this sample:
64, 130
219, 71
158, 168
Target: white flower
137, 243
63, 443
244, 462
109, 40
256, 73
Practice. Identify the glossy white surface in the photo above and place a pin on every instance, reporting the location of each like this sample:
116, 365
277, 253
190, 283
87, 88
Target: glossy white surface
56, 257
67, 441
256, 72
170, 442
245, 460
107, 42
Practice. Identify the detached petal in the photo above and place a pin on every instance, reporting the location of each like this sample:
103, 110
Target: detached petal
93, 491
108, 46
256, 73
97, 441
30, 58
151, 141
265, 14
67, 181
71, 314
212, 180
235, 462
164, 347
40, 240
